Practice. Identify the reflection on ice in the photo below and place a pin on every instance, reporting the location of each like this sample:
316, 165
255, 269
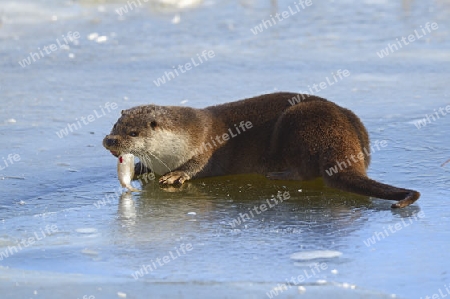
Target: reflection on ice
315, 254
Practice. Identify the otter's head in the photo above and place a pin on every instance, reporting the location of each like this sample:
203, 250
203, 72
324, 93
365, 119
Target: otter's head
156, 135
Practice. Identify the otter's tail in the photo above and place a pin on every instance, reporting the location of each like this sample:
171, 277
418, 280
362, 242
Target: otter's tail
361, 184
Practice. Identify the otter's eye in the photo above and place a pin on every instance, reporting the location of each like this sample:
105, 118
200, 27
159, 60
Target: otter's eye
153, 124
133, 134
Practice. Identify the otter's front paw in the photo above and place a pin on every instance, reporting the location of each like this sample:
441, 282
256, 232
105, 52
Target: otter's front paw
175, 177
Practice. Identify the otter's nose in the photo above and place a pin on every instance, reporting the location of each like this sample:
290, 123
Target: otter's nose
109, 142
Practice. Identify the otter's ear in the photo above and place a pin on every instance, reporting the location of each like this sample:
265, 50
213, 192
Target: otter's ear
152, 124
122, 112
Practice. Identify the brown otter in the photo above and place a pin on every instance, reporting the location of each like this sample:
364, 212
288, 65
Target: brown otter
265, 135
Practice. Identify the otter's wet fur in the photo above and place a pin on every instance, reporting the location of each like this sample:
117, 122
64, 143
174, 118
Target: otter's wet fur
266, 135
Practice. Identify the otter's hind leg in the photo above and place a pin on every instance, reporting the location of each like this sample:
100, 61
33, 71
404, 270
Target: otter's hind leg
359, 183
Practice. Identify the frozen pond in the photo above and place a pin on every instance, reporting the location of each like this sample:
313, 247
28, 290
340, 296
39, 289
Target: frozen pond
69, 67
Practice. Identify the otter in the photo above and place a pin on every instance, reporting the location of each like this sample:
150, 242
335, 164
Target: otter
264, 135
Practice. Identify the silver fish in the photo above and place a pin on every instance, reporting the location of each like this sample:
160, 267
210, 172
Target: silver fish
125, 171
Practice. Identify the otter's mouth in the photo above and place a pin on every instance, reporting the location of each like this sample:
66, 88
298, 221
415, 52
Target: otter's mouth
111, 143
